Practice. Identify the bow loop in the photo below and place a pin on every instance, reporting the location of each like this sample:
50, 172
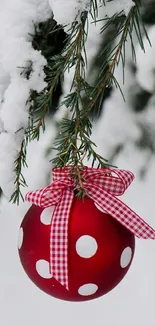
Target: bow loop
62, 174
49, 195
103, 178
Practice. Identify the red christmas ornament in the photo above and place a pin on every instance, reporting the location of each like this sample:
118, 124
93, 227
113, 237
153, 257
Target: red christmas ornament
100, 251
75, 250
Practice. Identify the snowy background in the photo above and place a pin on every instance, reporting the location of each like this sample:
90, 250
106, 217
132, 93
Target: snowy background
21, 303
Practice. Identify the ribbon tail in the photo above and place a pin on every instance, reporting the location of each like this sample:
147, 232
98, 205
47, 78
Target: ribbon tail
59, 238
121, 212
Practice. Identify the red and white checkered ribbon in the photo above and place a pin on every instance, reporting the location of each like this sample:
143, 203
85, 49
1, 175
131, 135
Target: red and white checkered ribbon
102, 186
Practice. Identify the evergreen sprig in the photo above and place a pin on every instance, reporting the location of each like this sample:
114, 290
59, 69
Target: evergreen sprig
73, 143
20, 180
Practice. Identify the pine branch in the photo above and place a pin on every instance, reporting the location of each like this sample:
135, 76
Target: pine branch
20, 180
73, 143
69, 152
124, 29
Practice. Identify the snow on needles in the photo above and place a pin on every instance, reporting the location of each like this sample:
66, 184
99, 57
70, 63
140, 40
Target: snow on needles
17, 20
65, 12
116, 6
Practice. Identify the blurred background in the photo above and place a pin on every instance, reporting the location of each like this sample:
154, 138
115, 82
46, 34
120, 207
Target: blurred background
124, 132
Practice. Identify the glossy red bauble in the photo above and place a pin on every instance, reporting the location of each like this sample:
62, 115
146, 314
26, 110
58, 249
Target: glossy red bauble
100, 251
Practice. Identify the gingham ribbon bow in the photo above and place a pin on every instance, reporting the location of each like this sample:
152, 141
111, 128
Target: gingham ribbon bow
102, 186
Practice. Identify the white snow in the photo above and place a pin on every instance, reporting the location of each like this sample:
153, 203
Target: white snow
17, 20
65, 12
146, 63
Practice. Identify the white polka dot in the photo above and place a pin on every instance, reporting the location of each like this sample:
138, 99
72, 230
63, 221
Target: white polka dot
20, 238
88, 289
86, 246
126, 257
99, 208
46, 215
43, 269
